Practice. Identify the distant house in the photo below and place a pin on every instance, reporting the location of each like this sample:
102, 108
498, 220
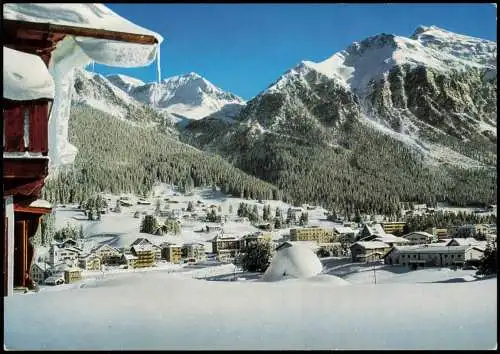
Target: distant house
145, 241
172, 253
213, 228
106, 253
39, 272
143, 202
129, 260
193, 251
89, 262
312, 245
467, 242
227, 246
318, 234
145, 255
393, 227
344, 234
72, 275
440, 233
126, 203
367, 251
429, 256
59, 254
419, 237
371, 230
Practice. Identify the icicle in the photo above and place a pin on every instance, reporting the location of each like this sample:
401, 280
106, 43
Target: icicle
158, 65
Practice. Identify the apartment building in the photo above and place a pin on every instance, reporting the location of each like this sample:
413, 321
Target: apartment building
318, 234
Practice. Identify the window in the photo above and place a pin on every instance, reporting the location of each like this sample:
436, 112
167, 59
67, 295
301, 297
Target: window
26, 128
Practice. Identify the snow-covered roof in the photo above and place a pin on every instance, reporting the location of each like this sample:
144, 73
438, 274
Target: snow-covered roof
130, 257
344, 230
25, 76
438, 249
297, 260
143, 247
370, 245
96, 16
40, 203
423, 233
375, 229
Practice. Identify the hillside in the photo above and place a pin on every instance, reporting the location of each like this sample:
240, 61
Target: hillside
117, 156
388, 119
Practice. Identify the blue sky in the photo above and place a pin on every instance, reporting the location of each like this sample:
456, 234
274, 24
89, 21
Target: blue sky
243, 48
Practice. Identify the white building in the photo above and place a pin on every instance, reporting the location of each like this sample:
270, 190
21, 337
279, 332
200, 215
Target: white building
425, 255
59, 254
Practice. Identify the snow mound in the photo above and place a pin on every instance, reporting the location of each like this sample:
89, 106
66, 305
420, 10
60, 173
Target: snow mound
25, 77
330, 279
294, 260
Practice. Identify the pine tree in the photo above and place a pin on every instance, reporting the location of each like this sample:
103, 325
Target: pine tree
149, 224
266, 212
255, 256
230, 209
488, 264
190, 206
157, 207
80, 233
118, 207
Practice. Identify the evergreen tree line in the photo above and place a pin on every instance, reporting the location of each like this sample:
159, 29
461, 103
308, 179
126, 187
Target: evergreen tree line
115, 156
367, 173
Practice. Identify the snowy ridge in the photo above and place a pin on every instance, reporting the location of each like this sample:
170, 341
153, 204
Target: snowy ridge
431, 47
188, 96
126, 83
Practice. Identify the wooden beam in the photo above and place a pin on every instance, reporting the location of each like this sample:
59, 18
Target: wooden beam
81, 31
31, 210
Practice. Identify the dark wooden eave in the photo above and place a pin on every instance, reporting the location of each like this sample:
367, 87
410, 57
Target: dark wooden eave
79, 31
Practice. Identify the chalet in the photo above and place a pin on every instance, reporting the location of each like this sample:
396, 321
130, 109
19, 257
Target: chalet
419, 238
129, 260
39, 272
367, 251
106, 253
257, 236
59, 254
145, 256
157, 250
36, 37
389, 239
371, 230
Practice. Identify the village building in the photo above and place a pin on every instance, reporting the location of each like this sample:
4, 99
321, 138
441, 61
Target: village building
344, 233
436, 256
371, 230
318, 234
107, 254
393, 227
194, 251
129, 260
89, 262
227, 246
419, 237
172, 253
39, 272
257, 237
145, 256
59, 254
439, 232
72, 275
60, 37
368, 251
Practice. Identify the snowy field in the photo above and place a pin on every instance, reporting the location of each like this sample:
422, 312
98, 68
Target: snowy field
428, 309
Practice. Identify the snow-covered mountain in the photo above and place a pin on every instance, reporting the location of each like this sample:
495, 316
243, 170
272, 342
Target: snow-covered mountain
97, 91
187, 96
434, 84
124, 82
423, 103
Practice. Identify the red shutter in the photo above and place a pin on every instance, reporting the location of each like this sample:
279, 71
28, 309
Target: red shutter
14, 126
38, 127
